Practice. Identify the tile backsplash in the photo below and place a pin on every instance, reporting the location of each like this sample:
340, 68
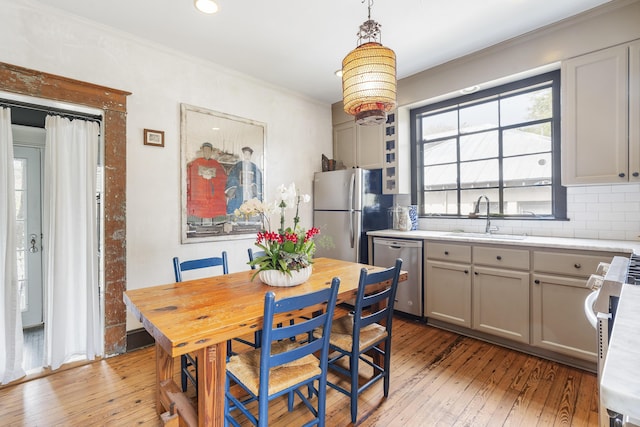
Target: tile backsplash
607, 212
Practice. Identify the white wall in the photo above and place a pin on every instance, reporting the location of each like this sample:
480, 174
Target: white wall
298, 129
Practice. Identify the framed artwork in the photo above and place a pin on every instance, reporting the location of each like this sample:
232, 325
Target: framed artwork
222, 163
154, 137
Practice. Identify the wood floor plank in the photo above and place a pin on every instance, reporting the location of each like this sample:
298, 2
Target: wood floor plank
439, 378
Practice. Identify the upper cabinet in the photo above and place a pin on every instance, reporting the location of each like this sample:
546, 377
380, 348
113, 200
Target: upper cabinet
358, 146
601, 117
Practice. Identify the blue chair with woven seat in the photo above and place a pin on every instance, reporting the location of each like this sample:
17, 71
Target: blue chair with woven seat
366, 334
186, 360
281, 367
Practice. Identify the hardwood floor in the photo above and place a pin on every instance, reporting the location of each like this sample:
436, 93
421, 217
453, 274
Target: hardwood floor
438, 379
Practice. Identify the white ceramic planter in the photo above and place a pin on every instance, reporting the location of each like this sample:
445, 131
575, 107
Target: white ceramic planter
278, 278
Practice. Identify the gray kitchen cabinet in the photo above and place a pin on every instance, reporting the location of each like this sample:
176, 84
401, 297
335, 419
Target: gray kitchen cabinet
501, 292
448, 292
601, 116
559, 323
358, 146
494, 299
448, 283
501, 302
558, 291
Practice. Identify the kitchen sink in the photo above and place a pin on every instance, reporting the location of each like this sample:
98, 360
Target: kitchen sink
488, 236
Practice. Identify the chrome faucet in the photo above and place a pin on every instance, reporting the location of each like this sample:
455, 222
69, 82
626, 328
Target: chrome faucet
487, 228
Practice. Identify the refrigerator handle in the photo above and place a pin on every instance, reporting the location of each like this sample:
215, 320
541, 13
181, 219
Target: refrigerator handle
352, 195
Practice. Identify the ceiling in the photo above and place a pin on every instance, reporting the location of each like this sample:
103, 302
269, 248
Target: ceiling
299, 44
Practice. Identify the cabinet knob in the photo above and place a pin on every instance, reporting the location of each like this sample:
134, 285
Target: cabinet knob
498, 257
446, 252
577, 265
621, 174
466, 272
537, 282
635, 174
475, 272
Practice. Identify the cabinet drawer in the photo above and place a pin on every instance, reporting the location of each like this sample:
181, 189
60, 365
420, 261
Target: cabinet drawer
501, 257
448, 252
581, 265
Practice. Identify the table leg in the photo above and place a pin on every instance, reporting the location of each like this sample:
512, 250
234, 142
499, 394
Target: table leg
212, 366
164, 371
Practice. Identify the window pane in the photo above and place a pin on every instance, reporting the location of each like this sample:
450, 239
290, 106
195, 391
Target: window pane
534, 169
479, 146
23, 295
22, 265
480, 174
440, 177
19, 166
441, 203
528, 106
528, 201
529, 139
440, 125
479, 117
21, 205
439, 152
469, 198
20, 235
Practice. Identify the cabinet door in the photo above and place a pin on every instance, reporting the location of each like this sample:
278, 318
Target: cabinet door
559, 322
369, 151
448, 292
501, 303
634, 111
594, 118
344, 144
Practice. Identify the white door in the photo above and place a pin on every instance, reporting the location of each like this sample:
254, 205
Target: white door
28, 167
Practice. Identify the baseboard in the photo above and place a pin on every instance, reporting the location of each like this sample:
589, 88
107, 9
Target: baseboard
138, 338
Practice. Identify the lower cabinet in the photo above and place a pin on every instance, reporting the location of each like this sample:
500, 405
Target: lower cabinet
559, 323
448, 292
501, 303
534, 298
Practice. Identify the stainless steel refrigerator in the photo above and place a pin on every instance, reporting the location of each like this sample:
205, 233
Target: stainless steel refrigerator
346, 204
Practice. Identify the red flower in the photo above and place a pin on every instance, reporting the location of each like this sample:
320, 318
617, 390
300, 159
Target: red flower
310, 233
292, 237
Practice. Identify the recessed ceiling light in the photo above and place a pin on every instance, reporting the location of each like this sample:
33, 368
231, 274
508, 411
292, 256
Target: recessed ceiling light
206, 6
469, 89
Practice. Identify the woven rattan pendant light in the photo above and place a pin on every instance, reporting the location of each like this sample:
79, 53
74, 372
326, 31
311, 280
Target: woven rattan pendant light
369, 76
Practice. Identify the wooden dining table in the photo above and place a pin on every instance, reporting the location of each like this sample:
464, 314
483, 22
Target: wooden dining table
199, 316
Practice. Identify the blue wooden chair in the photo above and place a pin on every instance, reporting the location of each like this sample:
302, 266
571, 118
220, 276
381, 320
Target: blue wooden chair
253, 255
365, 334
281, 367
186, 360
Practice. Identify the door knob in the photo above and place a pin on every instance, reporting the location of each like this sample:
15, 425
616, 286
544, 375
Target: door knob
33, 242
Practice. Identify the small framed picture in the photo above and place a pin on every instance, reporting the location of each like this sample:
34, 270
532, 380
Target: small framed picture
154, 137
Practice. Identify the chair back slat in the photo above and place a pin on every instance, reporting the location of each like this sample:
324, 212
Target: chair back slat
270, 333
253, 255
291, 330
194, 264
368, 296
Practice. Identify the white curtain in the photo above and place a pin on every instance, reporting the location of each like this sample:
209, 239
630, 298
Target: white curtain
73, 327
11, 338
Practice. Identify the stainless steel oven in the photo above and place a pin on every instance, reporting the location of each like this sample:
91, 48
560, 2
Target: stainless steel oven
600, 308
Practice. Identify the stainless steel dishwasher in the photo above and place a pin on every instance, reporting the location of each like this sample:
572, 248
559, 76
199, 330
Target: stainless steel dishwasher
409, 294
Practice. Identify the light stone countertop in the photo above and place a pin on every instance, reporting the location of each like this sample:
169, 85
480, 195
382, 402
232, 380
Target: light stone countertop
623, 246
620, 382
